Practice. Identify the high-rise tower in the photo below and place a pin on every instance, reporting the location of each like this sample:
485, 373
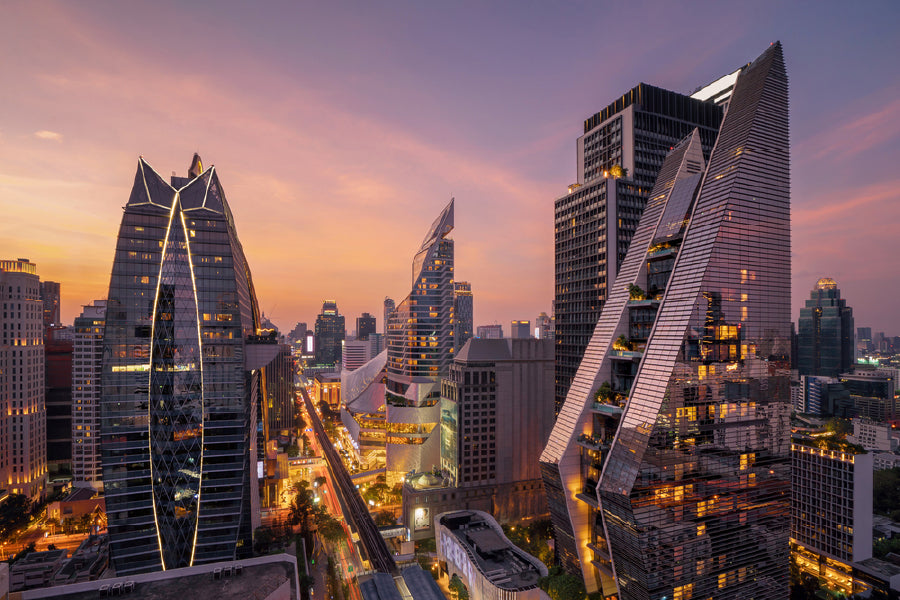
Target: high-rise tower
389, 306
329, 334
825, 344
23, 416
667, 473
365, 325
50, 297
86, 371
463, 314
180, 380
419, 352
619, 156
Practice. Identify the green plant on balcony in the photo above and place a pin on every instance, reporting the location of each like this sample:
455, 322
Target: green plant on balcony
635, 292
603, 393
622, 343
617, 171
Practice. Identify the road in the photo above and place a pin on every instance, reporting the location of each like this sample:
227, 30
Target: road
379, 555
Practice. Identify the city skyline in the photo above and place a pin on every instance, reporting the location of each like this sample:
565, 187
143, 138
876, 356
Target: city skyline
335, 114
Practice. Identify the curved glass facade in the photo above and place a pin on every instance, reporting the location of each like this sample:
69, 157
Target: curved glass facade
178, 404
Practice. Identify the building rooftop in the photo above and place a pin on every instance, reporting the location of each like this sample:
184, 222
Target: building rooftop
379, 586
502, 563
83, 493
259, 578
421, 584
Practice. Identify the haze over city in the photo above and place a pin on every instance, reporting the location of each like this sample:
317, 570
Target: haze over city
339, 132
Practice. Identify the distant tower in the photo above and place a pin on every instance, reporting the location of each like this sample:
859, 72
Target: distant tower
50, 297
520, 330
389, 306
87, 359
329, 334
543, 327
825, 339
365, 325
490, 332
58, 351
23, 436
463, 313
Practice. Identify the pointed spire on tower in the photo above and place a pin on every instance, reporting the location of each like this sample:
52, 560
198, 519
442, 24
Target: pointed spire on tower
196, 167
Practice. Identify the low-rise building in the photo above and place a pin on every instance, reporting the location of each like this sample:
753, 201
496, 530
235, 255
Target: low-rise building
475, 550
327, 388
871, 435
36, 569
885, 460
81, 502
271, 577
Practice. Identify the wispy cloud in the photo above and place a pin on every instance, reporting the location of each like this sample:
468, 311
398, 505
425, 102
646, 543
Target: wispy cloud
45, 134
851, 138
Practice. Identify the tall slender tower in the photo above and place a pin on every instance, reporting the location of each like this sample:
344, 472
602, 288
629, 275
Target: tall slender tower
463, 314
50, 297
180, 385
667, 473
419, 353
23, 416
86, 372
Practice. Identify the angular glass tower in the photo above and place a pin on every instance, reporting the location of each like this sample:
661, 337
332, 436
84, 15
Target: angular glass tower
179, 394
667, 473
419, 352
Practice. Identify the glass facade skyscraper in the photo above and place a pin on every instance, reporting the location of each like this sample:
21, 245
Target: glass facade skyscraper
668, 471
420, 348
825, 344
179, 387
619, 156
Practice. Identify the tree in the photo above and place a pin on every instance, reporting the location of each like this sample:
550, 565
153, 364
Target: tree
562, 586
319, 481
384, 518
839, 426
636, 293
618, 171
330, 529
14, 513
622, 343
886, 492
604, 392
262, 539
303, 509
458, 588
293, 450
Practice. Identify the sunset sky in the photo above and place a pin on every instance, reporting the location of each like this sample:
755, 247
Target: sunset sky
340, 130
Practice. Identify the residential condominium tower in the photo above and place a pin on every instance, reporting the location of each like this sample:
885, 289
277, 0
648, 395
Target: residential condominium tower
619, 156
180, 383
667, 473
86, 368
419, 352
23, 417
